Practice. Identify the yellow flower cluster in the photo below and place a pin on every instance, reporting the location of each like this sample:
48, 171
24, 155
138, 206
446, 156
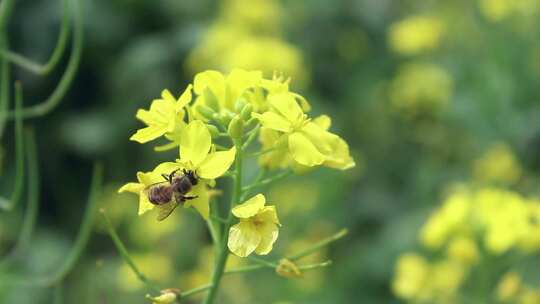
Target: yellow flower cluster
420, 88
498, 10
416, 34
511, 289
498, 164
247, 105
248, 36
469, 225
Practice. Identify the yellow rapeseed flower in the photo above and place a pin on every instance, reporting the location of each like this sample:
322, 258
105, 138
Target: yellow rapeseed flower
463, 250
257, 230
509, 286
164, 117
411, 274
421, 88
415, 34
308, 142
498, 164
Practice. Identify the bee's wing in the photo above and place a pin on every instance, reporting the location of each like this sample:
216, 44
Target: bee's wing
166, 209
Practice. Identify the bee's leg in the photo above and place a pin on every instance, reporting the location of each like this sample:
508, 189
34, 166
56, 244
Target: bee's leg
172, 174
165, 176
190, 197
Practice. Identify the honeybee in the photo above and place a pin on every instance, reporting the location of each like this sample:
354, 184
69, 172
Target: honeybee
167, 195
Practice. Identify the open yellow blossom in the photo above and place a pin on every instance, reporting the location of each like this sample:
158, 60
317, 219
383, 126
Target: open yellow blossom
415, 34
165, 116
308, 142
257, 230
463, 250
146, 179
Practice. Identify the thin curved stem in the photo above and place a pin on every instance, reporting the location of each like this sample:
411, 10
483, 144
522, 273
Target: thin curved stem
19, 154
125, 254
32, 208
340, 234
6, 7
69, 74
195, 290
44, 69
78, 247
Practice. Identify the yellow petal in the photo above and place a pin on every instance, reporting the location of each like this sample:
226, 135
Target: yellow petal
147, 134
249, 208
213, 80
184, 99
202, 202
273, 121
268, 214
131, 187
243, 239
304, 151
144, 203
237, 82
216, 164
269, 233
323, 121
167, 96
287, 106
195, 142
340, 157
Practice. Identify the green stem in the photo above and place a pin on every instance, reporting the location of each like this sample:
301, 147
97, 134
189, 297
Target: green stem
195, 290
223, 252
19, 153
318, 245
6, 7
125, 254
69, 74
43, 69
76, 251
251, 136
246, 190
58, 293
32, 208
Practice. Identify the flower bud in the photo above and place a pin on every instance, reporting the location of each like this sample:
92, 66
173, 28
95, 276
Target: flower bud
239, 105
211, 100
288, 269
205, 111
245, 114
167, 296
214, 131
236, 128
227, 116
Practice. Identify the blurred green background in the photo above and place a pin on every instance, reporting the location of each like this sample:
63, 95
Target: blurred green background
423, 92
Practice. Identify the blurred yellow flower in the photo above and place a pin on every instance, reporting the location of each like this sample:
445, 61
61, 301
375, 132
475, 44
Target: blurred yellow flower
248, 37
463, 250
410, 276
415, 34
257, 230
446, 220
509, 286
155, 266
421, 88
164, 117
498, 164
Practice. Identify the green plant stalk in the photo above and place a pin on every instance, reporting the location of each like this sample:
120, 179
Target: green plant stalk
6, 6
43, 69
195, 290
19, 152
340, 234
32, 208
125, 254
76, 251
61, 89
223, 252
